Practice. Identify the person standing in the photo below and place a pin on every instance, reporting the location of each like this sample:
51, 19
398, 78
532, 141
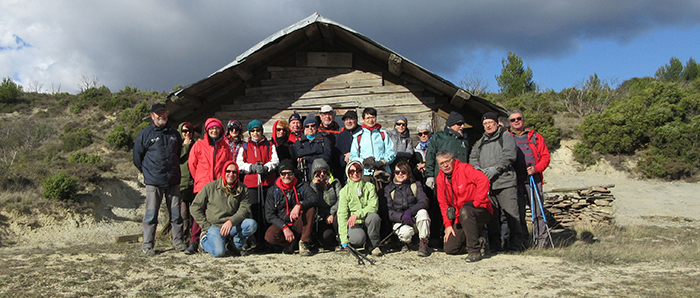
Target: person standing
234, 137
310, 147
186, 130
221, 207
453, 139
344, 140
401, 137
280, 138
372, 145
533, 159
157, 155
494, 154
295, 127
206, 163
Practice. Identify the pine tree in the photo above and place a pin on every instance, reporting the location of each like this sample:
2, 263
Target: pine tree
515, 79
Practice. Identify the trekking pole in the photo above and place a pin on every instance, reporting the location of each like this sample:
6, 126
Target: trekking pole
390, 234
539, 202
532, 212
359, 254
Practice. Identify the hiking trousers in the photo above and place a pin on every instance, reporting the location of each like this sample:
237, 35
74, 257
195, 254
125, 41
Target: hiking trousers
154, 196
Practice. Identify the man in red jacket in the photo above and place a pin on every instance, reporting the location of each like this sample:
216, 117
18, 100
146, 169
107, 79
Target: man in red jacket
462, 194
533, 158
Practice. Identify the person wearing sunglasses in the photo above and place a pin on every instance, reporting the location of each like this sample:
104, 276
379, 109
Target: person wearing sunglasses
280, 138
206, 163
407, 205
186, 130
533, 159
311, 146
221, 207
357, 212
494, 154
290, 210
454, 139
234, 137
258, 160
401, 137
327, 188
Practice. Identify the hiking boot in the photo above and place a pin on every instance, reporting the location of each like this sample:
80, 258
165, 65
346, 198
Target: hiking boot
377, 251
473, 257
149, 252
181, 247
483, 248
423, 249
191, 248
289, 249
405, 248
304, 249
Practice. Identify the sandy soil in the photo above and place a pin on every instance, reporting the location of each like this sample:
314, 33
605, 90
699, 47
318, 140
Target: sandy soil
77, 256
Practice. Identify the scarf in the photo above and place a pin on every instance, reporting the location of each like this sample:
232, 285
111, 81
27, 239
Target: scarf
376, 126
285, 188
424, 146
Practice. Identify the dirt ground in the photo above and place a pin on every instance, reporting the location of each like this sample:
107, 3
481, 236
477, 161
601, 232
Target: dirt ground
78, 256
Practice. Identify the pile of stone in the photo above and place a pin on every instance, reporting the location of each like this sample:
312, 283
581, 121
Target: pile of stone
570, 206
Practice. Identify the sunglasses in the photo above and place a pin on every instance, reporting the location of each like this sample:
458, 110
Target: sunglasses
400, 124
310, 125
323, 172
460, 123
256, 130
231, 171
401, 172
281, 129
185, 130
420, 134
286, 173
234, 128
516, 119
353, 172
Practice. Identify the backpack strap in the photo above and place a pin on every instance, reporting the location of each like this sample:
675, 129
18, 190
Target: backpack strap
359, 137
413, 189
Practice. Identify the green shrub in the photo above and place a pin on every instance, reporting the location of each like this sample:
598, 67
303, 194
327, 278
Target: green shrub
119, 138
132, 118
538, 109
76, 139
77, 107
60, 187
584, 155
93, 94
82, 157
9, 91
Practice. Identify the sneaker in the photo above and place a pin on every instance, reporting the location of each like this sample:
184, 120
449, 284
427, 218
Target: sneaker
181, 247
304, 249
423, 250
149, 252
377, 251
473, 257
191, 248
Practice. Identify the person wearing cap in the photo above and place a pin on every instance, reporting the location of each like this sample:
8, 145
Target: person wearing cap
311, 146
327, 188
234, 137
372, 145
290, 210
533, 159
343, 142
296, 129
258, 160
186, 130
206, 162
157, 155
494, 154
357, 212
280, 138
222, 209
328, 125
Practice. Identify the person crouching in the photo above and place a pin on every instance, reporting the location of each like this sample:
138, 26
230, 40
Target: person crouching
289, 208
357, 211
407, 205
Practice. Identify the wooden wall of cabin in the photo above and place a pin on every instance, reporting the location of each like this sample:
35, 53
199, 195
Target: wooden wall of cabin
344, 81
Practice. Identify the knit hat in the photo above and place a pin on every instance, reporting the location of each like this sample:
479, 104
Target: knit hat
310, 119
233, 124
254, 124
211, 122
293, 117
454, 118
286, 164
401, 117
490, 115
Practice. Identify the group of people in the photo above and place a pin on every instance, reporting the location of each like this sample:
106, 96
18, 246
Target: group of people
316, 185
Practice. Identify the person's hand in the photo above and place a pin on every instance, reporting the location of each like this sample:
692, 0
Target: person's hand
449, 231
330, 219
407, 218
187, 141
299, 159
347, 157
490, 172
368, 162
226, 228
430, 182
294, 215
531, 170
257, 168
351, 220
421, 167
288, 234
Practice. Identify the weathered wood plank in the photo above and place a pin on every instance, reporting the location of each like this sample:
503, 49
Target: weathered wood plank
308, 80
324, 59
376, 100
366, 91
292, 72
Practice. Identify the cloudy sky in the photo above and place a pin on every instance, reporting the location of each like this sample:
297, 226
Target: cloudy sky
158, 44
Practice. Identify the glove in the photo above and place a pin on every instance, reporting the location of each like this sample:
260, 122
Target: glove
430, 182
407, 219
257, 168
368, 162
490, 172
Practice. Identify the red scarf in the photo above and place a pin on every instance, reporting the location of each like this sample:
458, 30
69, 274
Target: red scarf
376, 126
285, 188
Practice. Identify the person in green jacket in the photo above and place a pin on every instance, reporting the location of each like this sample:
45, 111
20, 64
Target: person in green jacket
222, 210
186, 130
357, 211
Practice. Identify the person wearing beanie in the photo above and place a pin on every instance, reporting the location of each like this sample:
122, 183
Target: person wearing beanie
290, 210
157, 155
343, 143
494, 154
206, 162
222, 208
327, 188
453, 139
258, 160
310, 147
401, 136
295, 127
234, 137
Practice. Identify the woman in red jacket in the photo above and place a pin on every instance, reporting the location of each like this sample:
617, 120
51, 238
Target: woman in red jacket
206, 163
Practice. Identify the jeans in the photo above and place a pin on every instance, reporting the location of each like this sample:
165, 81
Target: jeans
215, 244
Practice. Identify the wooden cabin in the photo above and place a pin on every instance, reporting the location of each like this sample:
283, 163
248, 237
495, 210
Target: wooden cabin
318, 62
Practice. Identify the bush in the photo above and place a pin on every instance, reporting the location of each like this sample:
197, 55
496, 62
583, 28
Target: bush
82, 157
74, 140
584, 155
119, 138
60, 187
132, 118
9, 91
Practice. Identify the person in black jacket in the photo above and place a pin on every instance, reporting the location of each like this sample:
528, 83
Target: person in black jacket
311, 146
343, 142
407, 205
157, 156
289, 208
